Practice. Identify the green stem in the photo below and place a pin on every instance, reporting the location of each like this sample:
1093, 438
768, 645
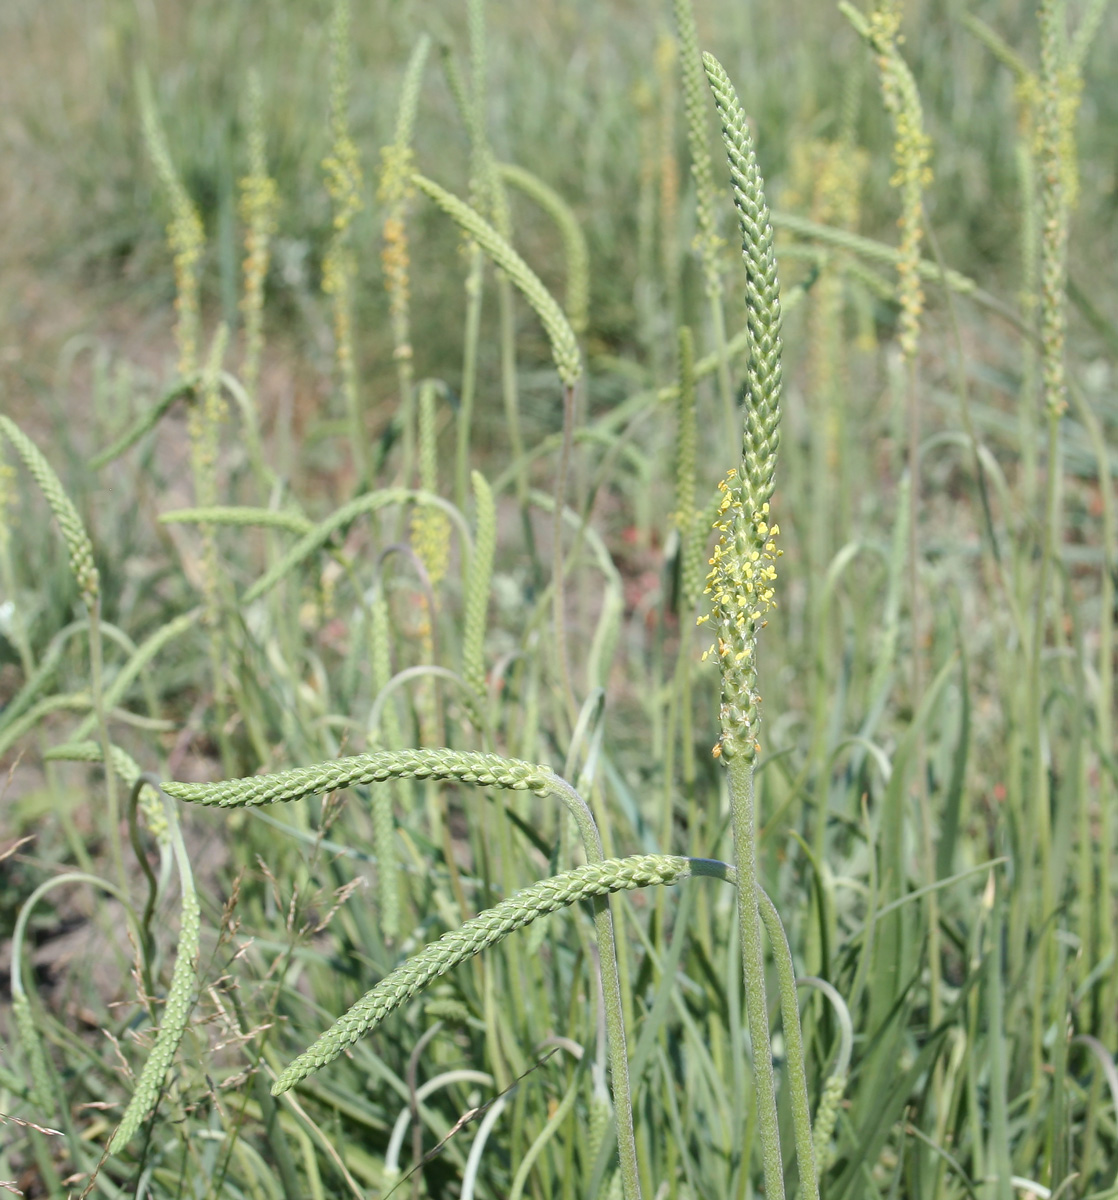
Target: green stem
404, 378
923, 799
1104, 721
686, 733
611, 991
914, 599
469, 378
355, 414
96, 687
557, 591
145, 939
999, 1070
794, 1042
1029, 299
506, 306
1041, 824
743, 814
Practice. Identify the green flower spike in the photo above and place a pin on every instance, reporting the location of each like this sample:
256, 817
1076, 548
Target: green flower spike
486, 929
742, 573
486, 769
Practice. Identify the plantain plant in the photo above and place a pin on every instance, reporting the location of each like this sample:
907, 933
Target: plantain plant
396, 695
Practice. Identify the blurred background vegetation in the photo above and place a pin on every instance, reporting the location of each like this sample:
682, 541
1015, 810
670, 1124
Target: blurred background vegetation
81, 210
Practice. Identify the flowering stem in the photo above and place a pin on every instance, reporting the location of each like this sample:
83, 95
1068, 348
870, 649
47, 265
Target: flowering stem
743, 814
611, 993
98, 691
557, 589
474, 286
794, 1041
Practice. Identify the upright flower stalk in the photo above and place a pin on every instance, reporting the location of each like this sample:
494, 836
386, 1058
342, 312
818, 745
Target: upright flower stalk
395, 192
344, 183
912, 152
707, 242
742, 571
740, 585
1056, 163
258, 211
185, 235
258, 204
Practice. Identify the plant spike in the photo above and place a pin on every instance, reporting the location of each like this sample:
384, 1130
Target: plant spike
489, 770
480, 932
73, 531
740, 585
564, 344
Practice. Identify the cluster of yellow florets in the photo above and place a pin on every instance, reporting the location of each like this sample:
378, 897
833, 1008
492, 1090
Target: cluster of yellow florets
187, 240
396, 263
740, 584
338, 268
827, 179
343, 180
1069, 96
430, 538
885, 23
258, 211
397, 165
394, 191
742, 573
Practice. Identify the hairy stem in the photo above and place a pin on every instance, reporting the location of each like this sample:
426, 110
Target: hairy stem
744, 820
